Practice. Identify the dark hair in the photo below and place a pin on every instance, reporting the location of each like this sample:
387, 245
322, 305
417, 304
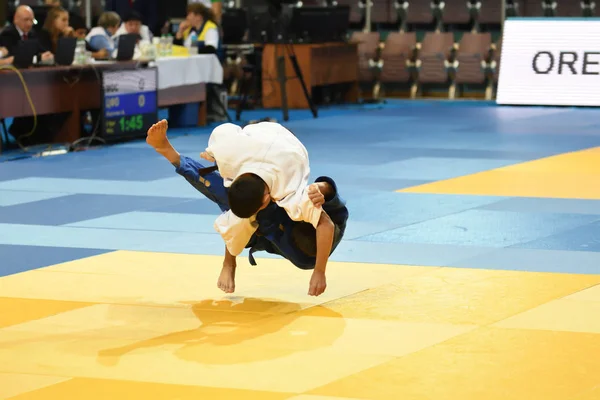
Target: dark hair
304, 236
76, 22
132, 15
246, 195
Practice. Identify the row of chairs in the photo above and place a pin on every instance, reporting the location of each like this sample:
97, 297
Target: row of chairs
437, 59
424, 12
550, 8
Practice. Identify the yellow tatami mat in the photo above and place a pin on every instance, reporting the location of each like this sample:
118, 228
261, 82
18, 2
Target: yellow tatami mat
129, 325
569, 175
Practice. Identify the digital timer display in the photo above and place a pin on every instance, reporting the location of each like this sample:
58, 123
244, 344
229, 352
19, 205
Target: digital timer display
130, 103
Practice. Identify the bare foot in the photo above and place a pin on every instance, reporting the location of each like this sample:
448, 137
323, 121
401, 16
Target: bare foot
157, 135
227, 278
157, 138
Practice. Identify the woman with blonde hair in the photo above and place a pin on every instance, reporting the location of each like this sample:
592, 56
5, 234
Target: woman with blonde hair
55, 26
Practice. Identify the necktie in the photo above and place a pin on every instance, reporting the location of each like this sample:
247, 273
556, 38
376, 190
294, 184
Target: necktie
24, 36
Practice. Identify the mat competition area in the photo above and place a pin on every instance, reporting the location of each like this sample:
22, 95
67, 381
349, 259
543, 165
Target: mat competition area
469, 269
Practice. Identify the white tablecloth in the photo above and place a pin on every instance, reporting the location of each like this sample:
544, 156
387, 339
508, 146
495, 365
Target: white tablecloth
179, 71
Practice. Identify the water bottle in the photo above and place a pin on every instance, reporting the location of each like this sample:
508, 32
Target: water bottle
169, 40
194, 39
163, 46
80, 56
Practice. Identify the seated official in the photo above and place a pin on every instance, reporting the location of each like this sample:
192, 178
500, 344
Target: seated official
20, 30
216, 6
100, 37
57, 25
200, 20
76, 22
132, 24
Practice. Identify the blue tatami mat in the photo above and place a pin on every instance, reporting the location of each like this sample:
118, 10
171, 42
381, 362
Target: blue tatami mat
127, 197
17, 259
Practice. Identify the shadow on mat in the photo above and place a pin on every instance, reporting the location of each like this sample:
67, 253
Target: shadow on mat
239, 332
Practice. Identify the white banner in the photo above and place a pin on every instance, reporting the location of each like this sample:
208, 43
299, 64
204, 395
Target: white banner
550, 61
130, 81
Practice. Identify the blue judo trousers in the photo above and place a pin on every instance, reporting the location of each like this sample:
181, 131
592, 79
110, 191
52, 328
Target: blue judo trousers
274, 233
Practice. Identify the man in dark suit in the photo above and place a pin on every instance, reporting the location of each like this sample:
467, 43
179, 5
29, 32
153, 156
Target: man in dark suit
11, 36
21, 29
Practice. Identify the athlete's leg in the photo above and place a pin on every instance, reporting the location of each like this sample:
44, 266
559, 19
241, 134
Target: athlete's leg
209, 184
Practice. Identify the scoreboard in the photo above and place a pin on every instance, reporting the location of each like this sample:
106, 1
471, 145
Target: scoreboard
130, 103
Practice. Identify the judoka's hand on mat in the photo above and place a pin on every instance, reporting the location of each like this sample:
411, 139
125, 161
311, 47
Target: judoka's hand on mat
207, 156
315, 195
318, 283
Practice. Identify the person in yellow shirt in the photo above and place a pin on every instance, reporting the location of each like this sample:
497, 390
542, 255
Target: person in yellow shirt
201, 21
215, 5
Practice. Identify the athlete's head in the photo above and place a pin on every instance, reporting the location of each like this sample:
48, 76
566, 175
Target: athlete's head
247, 195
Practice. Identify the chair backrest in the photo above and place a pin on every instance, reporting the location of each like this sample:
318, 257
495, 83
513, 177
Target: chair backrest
531, 8
355, 12
419, 12
367, 41
398, 43
490, 12
475, 43
568, 8
456, 12
437, 42
380, 12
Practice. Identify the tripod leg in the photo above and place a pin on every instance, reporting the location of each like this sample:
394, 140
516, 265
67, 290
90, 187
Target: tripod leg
220, 103
282, 78
245, 85
301, 78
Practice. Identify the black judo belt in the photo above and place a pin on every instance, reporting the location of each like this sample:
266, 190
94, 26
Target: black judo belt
207, 170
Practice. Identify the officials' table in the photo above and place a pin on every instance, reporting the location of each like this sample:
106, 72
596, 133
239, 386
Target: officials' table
77, 88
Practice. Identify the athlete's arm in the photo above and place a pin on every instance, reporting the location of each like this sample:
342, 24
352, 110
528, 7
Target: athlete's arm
325, 231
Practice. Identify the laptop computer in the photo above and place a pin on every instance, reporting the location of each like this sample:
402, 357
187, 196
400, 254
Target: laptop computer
25, 53
126, 48
65, 51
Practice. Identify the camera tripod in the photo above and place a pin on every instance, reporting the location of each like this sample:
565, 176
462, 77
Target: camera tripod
282, 49
280, 53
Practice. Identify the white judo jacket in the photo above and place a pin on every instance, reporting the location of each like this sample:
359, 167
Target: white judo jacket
272, 152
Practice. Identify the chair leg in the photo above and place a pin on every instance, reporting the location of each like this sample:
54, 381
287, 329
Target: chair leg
376, 90
452, 91
488, 90
4, 132
414, 88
